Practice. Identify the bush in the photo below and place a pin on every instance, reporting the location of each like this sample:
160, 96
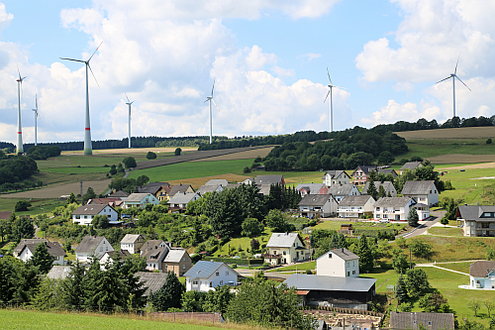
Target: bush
489, 141
151, 155
246, 169
177, 151
22, 206
129, 162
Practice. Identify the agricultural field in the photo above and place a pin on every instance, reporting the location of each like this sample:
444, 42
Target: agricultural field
451, 133
250, 154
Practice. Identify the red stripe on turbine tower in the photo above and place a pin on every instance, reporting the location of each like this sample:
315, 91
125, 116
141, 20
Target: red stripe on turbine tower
87, 129
19, 132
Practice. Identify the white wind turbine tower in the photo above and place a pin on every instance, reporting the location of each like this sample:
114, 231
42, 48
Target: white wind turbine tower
210, 98
330, 86
88, 148
20, 146
36, 114
129, 104
454, 76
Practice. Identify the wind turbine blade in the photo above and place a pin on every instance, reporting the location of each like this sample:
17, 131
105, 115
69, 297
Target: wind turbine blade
462, 82
131, 102
340, 87
95, 52
89, 66
213, 88
456, 63
127, 98
71, 59
216, 105
19, 72
330, 79
206, 100
326, 97
443, 79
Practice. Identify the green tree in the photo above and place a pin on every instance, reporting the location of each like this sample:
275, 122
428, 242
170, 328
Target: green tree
22, 227
490, 305
252, 227
475, 305
246, 170
169, 295
372, 189
434, 302
129, 162
385, 158
42, 258
399, 261
382, 192
73, 287
100, 221
71, 199
277, 221
421, 248
5, 228
178, 151
49, 296
151, 155
412, 217
401, 291
218, 300
22, 206
193, 301
416, 282
365, 255
225, 213
90, 194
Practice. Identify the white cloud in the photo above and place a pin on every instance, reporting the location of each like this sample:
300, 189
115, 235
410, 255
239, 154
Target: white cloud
311, 56
256, 59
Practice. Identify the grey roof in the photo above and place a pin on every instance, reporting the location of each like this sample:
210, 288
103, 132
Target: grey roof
343, 253
136, 197
475, 212
481, 268
181, 198
352, 200
313, 188
204, 269
418, 187
341, 189
23, 243
130, 238
410, 166
118, 254
385, 185
179, 188
59, 272
282, 239
175, 255
269, 179
330, 283
89, 244
221, 182
152, 281
148, 189
314, 200
386, 171
120, 193
431, 321
208, 188
54, 248
366, 169
151, 244
90, 209
158, 184
392, 201
155, 255
265, 189
336, 173
232, 185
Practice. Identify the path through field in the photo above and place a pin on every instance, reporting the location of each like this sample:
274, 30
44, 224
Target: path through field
467, 167
65, 189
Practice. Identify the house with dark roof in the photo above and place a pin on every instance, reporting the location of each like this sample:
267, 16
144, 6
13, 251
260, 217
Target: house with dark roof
312, 189
132, 243
388, 187
160, 190
482, 275
152, 244
179, 202
92, 246
356, 206
425, 192
154, 258
120, 194
318, 205
140, 200
207, 275
393, 208
286, 248
113, 256
333, 291
181, 188
336, 177
362, 173
25, 249
410, 166
339, 191
84, 214
338, 262
112, 201
416, 320
478, 220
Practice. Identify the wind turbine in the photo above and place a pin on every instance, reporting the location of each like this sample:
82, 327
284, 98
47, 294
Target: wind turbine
88, 148
36, 121
454, 76
20, 146
330, 86
210, 98
129, 104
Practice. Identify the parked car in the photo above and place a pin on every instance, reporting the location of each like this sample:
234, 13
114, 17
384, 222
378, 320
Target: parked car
384, 220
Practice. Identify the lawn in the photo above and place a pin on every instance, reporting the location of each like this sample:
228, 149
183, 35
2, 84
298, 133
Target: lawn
459, 266
335, 225
38, 206
439, 231
311, 265
20, 319
244, 243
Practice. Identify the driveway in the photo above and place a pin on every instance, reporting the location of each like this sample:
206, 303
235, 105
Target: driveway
425, 225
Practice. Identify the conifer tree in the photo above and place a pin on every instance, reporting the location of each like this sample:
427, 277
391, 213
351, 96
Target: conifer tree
42, 258
372, 189
400, 290
365, 255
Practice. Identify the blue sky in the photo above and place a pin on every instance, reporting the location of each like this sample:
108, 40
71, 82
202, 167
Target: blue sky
268, 58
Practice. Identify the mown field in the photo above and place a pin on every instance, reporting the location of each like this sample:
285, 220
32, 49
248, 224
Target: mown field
451, 133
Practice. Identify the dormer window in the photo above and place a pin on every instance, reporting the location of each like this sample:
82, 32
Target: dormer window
329, 256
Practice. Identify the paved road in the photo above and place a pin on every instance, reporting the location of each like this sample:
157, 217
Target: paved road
425, 225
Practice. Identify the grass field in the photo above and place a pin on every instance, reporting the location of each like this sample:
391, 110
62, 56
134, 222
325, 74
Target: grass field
439, 231
459, 266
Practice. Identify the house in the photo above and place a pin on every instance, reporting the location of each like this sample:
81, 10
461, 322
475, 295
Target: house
318, 205
154, 258
339, 191
416, 320
221, 182
111, 201
479, 220
207, 275
140, 200
312, 189
388, 187
269, 179
482, 275
181, 188
393, 208
92, 246
177, 261
209, 188
356, 206
59, 272
132, 243
286, 248
120, 194
180, 200
25, 250
113, 256
410, 166
338, 262
425, 192
336, 177
362, 173
152, 244
84, 214
333, 291
152, 281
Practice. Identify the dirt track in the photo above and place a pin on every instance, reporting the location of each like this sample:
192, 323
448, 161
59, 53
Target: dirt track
65, 189
463, 167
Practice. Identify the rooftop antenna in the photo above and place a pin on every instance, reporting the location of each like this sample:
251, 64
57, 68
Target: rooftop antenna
88, 148
454, 76
330, 86
129, 103
36, 114
210, 98
20, 146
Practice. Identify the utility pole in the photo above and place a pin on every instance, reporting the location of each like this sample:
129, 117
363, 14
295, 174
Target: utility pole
81, 192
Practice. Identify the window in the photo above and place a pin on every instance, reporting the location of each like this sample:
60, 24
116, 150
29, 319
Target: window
101, 248
353, 272
106, 249
221, 282
217, 274
378, 208
329, 256
211, 284
227, 273
348, 273
284, 253
183, 267
195, 282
